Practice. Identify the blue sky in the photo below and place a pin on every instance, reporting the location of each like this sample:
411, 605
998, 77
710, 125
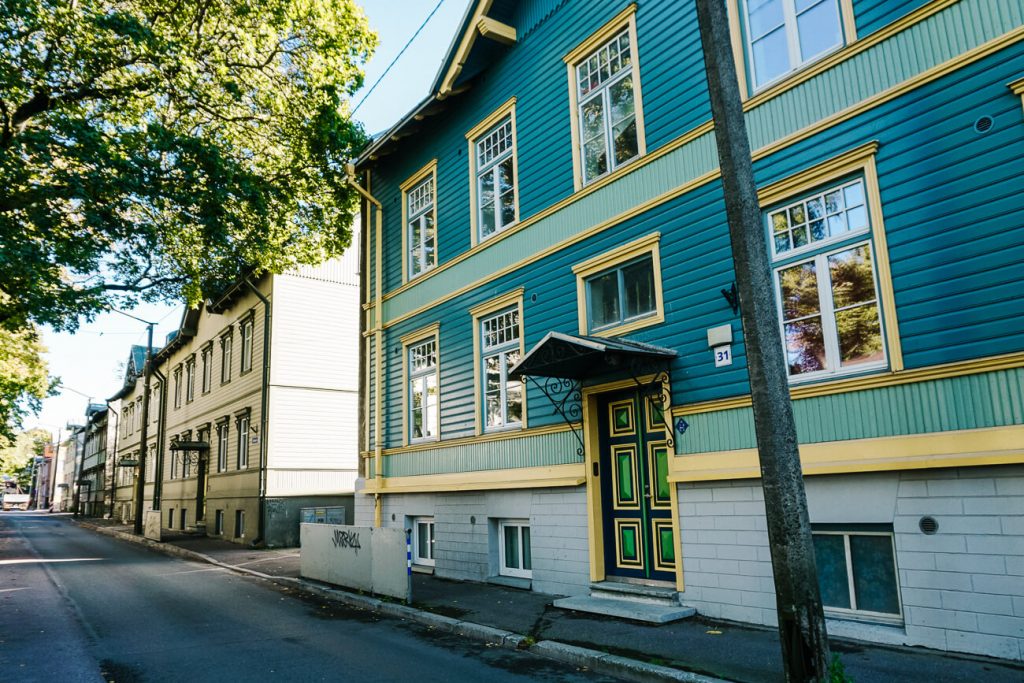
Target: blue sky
89, 362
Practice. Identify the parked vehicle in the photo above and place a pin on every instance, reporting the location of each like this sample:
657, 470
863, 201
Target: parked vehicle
13, 498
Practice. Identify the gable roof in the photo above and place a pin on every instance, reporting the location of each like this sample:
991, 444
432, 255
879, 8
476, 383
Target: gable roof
483, 35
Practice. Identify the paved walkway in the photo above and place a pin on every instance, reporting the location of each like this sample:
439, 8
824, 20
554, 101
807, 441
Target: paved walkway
714, 649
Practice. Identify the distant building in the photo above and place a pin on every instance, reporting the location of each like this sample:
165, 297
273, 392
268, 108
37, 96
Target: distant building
99, 437
252, 410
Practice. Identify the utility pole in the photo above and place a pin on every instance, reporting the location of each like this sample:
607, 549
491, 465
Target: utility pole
140, 490
804, 640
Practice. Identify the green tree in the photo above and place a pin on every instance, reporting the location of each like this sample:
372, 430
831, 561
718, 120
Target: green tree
16, 456
154, 149
24, 381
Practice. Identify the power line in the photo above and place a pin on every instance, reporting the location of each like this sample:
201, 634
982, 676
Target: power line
398, 56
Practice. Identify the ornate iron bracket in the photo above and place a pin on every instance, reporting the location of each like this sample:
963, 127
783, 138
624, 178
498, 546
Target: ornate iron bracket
566, 397
656, 391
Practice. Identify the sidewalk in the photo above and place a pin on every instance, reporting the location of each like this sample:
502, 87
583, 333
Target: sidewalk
697, 646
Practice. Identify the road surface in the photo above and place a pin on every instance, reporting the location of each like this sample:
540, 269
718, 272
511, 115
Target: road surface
79, 606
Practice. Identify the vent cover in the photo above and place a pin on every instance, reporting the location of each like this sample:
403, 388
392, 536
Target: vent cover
984, 124
929, 525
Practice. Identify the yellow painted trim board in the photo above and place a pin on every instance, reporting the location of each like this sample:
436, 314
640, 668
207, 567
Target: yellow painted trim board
465, 46
415, 179
886, 379
649, 244
472, 136
493, 29
478, 313
524, 477
965, 448
626, 19
925, 77
1017, 87
906, 22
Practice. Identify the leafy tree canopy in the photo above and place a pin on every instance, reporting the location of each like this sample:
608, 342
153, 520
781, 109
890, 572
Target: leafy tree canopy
154, 149
16, 456
24, 382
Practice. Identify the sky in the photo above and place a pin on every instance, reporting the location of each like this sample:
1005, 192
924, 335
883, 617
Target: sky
90, 362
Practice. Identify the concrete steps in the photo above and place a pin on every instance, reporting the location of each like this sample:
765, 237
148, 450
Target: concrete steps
636, 602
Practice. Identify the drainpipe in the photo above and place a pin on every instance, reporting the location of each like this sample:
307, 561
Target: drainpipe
377, 332
264, 400
161, 429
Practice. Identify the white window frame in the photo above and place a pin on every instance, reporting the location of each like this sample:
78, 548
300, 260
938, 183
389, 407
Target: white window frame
207, 360
226, 343
417, 382
177, 387
420, 215
417, 558
847, 33
479, 136
248, 328
239, 524
223, 430
218, 522
242, 452
518, 572
617, 258
190, 379
853, 612
502, 351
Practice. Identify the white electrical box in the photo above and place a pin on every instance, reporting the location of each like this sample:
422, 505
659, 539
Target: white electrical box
719, 336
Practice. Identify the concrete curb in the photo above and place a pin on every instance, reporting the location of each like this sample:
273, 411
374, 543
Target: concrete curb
594, 660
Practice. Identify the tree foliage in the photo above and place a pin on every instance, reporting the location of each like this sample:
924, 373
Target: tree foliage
24, 381
16, 456
155, 149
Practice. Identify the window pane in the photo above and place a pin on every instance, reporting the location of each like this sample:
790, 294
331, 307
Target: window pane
624, 138
487, 188
604, 299
874, 574
805, 346
860, 335
765, 16
799, 286
511, 547
593, 118
638, 280
853, 280
430, 409
527, 559
494, 410
422, 541
622, 99
819, 29
492, 373
514, 401
487, 224
771, 56
830, 556
595, 158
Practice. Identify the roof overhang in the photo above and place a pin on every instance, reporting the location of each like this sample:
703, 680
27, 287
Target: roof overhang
580, 358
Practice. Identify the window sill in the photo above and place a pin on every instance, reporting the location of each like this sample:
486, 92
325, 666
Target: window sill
798, 75
630, 326
854, 373
423, 569
609, 177
869, 631
511, 582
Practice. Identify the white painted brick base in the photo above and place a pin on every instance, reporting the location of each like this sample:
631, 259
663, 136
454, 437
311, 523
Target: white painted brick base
962, 588
465, 527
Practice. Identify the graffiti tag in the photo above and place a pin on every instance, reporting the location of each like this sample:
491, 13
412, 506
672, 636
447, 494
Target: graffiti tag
346, 539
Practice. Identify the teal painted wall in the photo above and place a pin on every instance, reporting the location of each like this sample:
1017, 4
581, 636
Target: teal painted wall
993, 399
952, 199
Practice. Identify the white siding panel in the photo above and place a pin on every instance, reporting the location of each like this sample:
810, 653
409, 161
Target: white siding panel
310, 483
312, 429
315, 336
343, 270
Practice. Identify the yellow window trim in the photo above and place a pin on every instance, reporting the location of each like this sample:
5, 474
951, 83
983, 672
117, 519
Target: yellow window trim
479, 312
802, 72
486, 480
415, 179
648, 244
858, 160
430, 331
506, 109
888, 379
626, 19
1017, 87
962, 448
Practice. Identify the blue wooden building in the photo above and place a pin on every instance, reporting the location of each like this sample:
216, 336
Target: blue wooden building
555, 386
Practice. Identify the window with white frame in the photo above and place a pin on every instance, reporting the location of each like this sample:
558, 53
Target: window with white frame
154, 402
782, 35
225, 358
239, 523
514, 549
190, 379
607, 105
177, 387
423, 541
207, 360
857, 571
622, 294
243, 441
423, 399
137, 413
222, 446
247, 332
174, 462
421, 231
218, 523
500, 351
495, 179
826, 283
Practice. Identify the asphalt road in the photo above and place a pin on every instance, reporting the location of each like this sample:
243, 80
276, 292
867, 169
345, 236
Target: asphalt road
78, 606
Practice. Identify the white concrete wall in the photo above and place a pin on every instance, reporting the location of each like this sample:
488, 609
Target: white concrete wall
466, 532
962, 588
